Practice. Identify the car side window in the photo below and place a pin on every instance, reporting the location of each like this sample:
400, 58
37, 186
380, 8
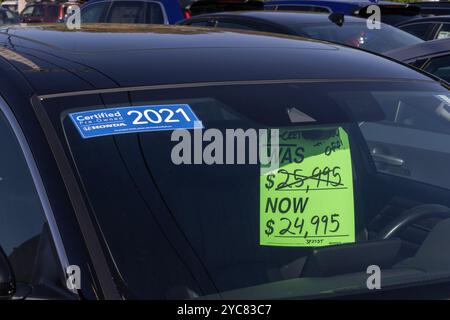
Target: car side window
420, 150
93, 13
262, 27
28, 11
440, 67
22, 218
53, 11
420, 30
444, 32
418, 63
303, 8
154, 14
38, 11
10, 17
201, 23
126, 12
234, 25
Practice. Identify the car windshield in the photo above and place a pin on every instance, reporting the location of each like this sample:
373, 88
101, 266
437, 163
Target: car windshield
357, 34
200, 212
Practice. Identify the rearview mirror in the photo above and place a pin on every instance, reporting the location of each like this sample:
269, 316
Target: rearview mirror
7, 281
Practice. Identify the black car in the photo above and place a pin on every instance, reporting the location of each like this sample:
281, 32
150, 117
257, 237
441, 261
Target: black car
92, 190
337, 28
428, 28
431, 56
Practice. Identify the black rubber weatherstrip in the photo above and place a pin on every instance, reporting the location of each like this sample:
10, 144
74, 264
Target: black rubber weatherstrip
223, 83
98, 258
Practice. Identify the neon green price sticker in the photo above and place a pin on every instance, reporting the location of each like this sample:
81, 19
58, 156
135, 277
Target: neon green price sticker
308, 200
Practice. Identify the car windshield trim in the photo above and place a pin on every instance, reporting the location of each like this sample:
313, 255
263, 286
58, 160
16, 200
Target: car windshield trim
38, 184
227, 83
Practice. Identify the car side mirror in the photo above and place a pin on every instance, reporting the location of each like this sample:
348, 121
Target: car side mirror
7, 280
337, 18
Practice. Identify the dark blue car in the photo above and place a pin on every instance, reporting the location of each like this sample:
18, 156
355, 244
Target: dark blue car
132, 11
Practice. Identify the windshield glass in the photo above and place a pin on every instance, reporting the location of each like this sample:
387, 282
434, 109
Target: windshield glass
199, 211
357, 34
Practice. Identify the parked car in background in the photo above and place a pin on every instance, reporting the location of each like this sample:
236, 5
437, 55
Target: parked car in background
45, 12
346, 30
430, 56
211, 6
347, 7
436, 8
8, 17
10, 4
132, 11
428, 28
391, 12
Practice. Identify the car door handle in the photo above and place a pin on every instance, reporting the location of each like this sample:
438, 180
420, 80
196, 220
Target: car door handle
387, 159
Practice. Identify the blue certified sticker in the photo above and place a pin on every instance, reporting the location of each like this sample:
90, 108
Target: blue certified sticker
105, 122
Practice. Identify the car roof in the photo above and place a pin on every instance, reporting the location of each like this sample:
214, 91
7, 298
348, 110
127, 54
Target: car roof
421, 50
55, 60
286, 18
